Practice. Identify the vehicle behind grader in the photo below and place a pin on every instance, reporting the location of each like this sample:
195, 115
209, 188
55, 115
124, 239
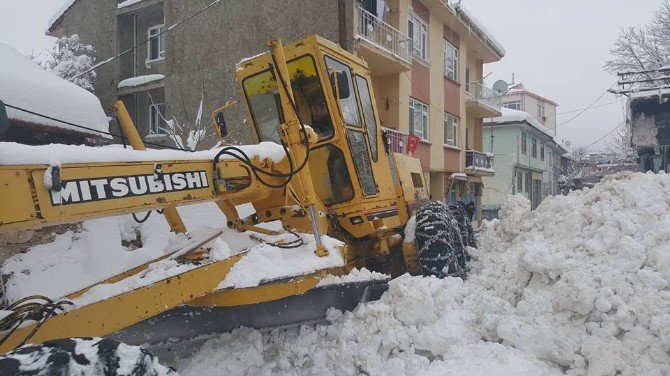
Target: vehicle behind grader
337, 180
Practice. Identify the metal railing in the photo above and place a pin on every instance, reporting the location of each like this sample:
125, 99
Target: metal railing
476, 160
397, 141
383, 35
480, 93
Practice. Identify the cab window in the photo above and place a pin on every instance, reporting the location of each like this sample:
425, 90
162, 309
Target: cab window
263, 98
347, 101
368, 114
332, 181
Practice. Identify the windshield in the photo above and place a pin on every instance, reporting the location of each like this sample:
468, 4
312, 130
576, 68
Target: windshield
263, 98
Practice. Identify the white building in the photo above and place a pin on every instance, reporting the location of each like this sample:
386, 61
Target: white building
542, 109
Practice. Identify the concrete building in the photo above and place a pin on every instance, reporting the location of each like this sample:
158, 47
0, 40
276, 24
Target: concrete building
528, 160
426, 58
542, 109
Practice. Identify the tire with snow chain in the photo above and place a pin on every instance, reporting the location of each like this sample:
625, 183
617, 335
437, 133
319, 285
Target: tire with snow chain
441, 237
82, 356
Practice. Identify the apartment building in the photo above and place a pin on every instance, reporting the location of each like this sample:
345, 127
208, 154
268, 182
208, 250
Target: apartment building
426, 58
542, 109
528, 160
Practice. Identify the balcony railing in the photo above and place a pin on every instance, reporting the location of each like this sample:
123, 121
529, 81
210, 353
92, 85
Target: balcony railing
479, 93
383, 35
476, 160
397, 141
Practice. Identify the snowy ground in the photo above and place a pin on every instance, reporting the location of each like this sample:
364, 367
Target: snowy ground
580, 286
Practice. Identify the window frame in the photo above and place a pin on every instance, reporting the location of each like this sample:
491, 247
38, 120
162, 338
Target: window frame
158, 38
424, 116
450, 56
533, 147
542, 151
452, 142
517, 105
416, 25
541, 111
154, 129
524, 143
370, 129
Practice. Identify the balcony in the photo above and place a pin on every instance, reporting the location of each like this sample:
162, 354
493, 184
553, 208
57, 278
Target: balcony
485, 102
397, 143
385, 48
478, 163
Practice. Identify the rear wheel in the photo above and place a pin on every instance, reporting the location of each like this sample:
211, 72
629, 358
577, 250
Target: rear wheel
442, 236
82, 356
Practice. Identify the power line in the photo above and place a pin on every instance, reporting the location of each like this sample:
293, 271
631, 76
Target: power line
587, 108
98, 65
605, 136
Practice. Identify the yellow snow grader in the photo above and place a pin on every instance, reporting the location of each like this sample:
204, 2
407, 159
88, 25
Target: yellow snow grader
336, 179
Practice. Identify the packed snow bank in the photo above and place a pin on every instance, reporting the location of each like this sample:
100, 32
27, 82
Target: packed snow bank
580, 285
12, 153
355, 275
24, 84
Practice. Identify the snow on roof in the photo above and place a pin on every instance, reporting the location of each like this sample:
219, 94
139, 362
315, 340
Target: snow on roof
479, 27
127, 3
520, 88
516, 116
59, 13
140, 80
650, 93
24, 84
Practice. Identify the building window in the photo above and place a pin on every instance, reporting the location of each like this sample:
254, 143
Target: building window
542, 151
467, 79
514, 105
157, 118
529, 183
418, 118
541, 112
534, 147
418, 31
156, 43
519, 182
450, 61
450, 130
523, 143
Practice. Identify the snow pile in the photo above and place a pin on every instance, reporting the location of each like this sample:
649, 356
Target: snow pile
140, 80
12, 153
586, 276
24, 84
355, 275
578, 286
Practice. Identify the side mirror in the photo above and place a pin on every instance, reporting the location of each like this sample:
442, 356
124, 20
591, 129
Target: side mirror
221, 123
340, 82
4, 120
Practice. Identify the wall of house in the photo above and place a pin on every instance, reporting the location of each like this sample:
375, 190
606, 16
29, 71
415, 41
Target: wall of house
94, 21
201, 56
505, 150
136, 26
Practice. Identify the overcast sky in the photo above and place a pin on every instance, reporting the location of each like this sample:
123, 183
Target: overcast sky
555, 48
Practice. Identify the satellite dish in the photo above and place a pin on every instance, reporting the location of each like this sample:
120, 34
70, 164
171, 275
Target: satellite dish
500, 87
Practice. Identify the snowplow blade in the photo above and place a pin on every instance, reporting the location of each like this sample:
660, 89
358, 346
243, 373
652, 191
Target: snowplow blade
188, 321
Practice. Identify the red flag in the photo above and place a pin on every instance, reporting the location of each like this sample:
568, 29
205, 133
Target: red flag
412, 143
